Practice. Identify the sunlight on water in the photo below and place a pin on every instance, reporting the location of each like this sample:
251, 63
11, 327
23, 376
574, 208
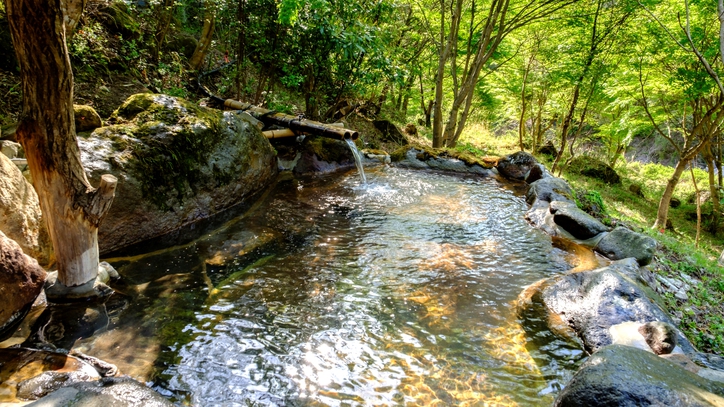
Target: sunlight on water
398, 293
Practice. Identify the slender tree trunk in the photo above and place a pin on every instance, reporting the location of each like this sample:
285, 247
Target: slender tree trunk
663, 212
72, 208
698, 206
538, 122
164, 23
240, 77
461, 126
524, 103
428, 113
207, 34
708, 155
446, 46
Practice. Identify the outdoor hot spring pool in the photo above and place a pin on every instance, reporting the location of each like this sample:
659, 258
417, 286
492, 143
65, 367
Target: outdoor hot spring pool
330, 292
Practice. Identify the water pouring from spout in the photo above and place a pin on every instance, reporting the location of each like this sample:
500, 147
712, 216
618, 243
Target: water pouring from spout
357, 159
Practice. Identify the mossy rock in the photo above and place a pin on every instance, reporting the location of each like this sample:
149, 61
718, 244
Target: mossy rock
117, 18
86, 118
176, 162
321, 155
182, 43
424, 157
594, 168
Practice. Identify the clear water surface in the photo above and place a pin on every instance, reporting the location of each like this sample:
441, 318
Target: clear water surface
400, 291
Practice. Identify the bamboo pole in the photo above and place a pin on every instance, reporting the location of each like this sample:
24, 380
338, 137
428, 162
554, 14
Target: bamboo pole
294, 123
283, 133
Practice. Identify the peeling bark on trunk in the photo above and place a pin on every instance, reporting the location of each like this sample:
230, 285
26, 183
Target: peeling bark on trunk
72, 10
71, 207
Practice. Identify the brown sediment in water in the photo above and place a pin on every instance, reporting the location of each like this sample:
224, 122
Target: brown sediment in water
17, 365
581, 257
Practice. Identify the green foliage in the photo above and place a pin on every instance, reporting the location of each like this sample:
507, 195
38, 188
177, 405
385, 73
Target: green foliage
89, 48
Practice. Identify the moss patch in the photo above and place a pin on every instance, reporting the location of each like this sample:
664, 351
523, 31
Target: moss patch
328, 150
176, 139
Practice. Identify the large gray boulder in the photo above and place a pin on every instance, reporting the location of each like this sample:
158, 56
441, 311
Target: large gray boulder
21, 281
20, 215
549, 189
620, 375
11, 149
623, 243
575, 221
591, 302
516, 166
176, 163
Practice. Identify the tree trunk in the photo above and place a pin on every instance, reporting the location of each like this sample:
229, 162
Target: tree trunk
524, 103
663, 213
71, 207
164, 23
708, 155
461, 126
207, 33
446, 47
697, 194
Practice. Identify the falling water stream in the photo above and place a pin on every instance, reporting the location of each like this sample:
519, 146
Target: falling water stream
357, 159
333, 292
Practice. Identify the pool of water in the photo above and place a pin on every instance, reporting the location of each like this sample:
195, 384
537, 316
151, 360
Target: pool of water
331, 292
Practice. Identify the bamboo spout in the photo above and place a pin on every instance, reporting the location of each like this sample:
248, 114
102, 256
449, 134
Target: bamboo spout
284, 133
294, 123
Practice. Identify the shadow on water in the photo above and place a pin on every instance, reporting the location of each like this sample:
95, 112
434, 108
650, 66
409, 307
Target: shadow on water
333, 292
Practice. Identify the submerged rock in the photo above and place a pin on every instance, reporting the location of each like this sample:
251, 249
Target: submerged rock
30, 374
625, 376
107, 392
623, 243
20, 215
516, 166
591, 302
21, 281
176, 163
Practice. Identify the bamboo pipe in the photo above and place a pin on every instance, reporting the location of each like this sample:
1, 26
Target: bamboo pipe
294, 123
283, 133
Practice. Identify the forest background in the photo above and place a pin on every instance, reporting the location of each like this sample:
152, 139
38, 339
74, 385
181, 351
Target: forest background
586, 86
